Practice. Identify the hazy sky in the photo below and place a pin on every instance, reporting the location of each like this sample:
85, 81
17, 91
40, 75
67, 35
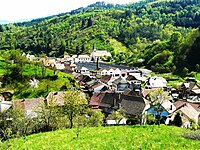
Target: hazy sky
28, 9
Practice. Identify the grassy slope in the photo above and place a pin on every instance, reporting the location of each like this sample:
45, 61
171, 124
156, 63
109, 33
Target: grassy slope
121, 137
29, 72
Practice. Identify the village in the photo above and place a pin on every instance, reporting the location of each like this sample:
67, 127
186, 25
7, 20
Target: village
110, 88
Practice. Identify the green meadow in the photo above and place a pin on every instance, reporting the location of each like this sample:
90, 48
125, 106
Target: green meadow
107, 138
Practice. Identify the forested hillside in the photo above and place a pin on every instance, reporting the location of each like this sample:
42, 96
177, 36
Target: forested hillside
163, 33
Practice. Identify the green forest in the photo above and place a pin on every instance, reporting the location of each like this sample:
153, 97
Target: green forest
162, 35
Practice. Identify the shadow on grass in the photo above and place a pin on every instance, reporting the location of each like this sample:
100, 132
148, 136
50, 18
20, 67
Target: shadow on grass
194, 135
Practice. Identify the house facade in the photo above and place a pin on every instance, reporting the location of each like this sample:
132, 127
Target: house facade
155, 82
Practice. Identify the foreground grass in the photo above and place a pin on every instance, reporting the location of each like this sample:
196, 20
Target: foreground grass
121, 137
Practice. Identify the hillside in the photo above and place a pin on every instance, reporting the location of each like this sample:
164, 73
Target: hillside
17, 76
134, 27
121, 137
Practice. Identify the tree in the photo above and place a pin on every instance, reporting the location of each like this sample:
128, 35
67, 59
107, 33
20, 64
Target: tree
15, 63
11, 123
1, 28
197, 67
177, 120
74, 105
150, 119
89, 22
95, 118
118, 115
157, 98
47, 116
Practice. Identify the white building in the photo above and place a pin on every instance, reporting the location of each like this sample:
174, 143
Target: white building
83, 70
98, 54
83, 58
156, 82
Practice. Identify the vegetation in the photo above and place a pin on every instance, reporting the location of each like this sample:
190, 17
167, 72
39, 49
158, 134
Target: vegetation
177, 120
118, 137
17, 71
157, 98
164, 34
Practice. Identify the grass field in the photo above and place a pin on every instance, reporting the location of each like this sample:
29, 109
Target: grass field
107, 138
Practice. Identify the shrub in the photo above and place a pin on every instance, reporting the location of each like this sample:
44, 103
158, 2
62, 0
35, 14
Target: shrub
150, 119
96, 119
177, 120
192, 74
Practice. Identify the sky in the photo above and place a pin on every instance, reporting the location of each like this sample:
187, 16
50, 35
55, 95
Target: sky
15, 10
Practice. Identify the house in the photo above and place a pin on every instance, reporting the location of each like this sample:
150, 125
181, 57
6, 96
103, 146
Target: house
69, 66
98, 54
166, 108
83, 78
82, 70
57, 98
109, 101
188, 111
135, 83
99, 87
189, 90
120, 85
83, 58
106, 78
174, 93
114, 72
59, 66
155, 82
29, 106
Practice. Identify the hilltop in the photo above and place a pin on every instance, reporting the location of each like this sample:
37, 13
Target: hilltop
119, 137
134, 28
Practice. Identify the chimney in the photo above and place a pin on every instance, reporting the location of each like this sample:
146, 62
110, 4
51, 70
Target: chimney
97, 64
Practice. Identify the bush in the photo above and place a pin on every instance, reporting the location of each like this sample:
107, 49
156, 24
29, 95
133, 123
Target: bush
177, 120
96, 119
150, 119
192, 74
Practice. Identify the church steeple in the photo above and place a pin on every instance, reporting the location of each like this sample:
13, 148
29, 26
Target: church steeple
94, 47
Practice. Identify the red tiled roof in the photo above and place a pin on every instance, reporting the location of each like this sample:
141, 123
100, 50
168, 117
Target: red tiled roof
105, 78
179, 104
196, 106
145, 92
96, 99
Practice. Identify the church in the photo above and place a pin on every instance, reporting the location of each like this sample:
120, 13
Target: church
98, 54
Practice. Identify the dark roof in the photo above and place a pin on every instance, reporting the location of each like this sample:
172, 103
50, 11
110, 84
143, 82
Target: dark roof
133, 105
84, 78
129, 92
120, 80
196, 106
130, 77
105, 78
